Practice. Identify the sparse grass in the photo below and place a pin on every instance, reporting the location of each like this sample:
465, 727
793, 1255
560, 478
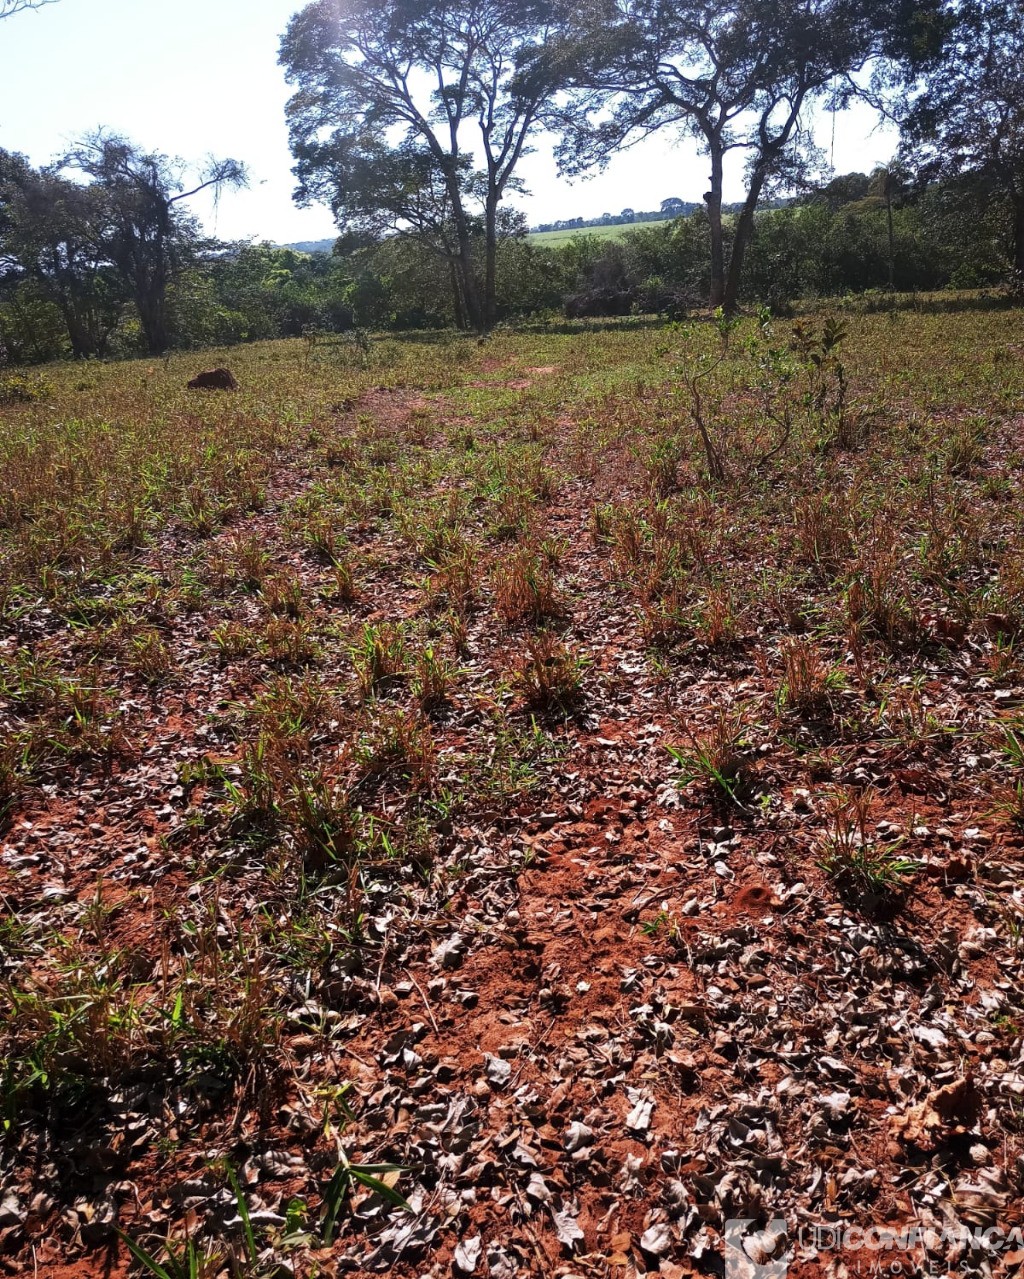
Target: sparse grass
306, 669
524, 588
716, 758
551, 674
856, 861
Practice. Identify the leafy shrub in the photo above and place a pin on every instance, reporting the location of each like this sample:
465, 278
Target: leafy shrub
17, 387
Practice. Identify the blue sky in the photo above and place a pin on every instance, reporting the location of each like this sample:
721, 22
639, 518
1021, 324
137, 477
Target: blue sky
200, 77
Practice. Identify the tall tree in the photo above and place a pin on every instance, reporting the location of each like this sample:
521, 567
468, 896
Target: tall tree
737, 76
460, 85
967, 121
887, 184
145, 230
47, 242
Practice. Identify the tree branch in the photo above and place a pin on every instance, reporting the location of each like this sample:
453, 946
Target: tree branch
10, 7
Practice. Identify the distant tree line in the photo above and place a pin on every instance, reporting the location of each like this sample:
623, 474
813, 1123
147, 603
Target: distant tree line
410, 118
860, 232
670, 208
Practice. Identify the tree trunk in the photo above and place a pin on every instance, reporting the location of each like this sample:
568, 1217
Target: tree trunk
744, 234
1018, 237
464, 258
468, 285
491, 263
79, 344
714, 202
457, 304
152, 310
892, 234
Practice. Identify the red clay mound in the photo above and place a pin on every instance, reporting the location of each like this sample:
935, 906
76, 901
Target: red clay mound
214, 380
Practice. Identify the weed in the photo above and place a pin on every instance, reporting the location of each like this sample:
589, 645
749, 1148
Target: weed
904, 713
454, 581
436, 531
1006, 600
602, 521
249, 561
716, 757
459, 633
665, 621
397, 744
289, 710
1003, 660
524, 588
321, 536
254, 794
289, 641
823, 528
964, 450
319, 813
343, 582
1013, 747
283, 595
150, 657
854, 861
186, 1259
380, 657
513, 508
349, 1176
663, 923
662, 465
13, 767
881, 597
1012, 806
628, 535
233, 641
717, 622
809, 680
551, 675
433, 677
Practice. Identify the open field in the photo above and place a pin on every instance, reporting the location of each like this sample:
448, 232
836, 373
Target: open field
509, 808
552, 239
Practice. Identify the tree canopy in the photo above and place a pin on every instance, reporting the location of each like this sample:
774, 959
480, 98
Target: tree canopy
413, 115
967, 121
410, 120
143, 229
737, 76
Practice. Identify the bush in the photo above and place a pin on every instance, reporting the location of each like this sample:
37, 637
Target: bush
31, 332
23, 388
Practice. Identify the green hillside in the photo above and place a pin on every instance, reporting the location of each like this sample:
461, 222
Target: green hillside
554, 238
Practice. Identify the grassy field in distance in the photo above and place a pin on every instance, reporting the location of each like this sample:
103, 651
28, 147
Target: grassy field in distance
446, 784
553, 238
